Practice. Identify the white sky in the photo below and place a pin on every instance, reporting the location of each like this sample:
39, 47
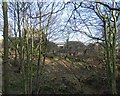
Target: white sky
1, 33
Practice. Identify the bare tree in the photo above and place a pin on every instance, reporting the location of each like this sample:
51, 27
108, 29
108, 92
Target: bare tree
5, 58
108, 17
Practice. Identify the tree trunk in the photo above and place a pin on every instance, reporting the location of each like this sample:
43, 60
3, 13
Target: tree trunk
110, 40
5, 58
114, 90
21, 49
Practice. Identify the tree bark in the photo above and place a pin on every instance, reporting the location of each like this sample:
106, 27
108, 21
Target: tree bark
5, 58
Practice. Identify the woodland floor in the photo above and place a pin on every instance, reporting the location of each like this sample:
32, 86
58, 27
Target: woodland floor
62, 76
1, 66
0, 76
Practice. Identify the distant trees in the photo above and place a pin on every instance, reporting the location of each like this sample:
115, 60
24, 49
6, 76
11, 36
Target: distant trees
74, 49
